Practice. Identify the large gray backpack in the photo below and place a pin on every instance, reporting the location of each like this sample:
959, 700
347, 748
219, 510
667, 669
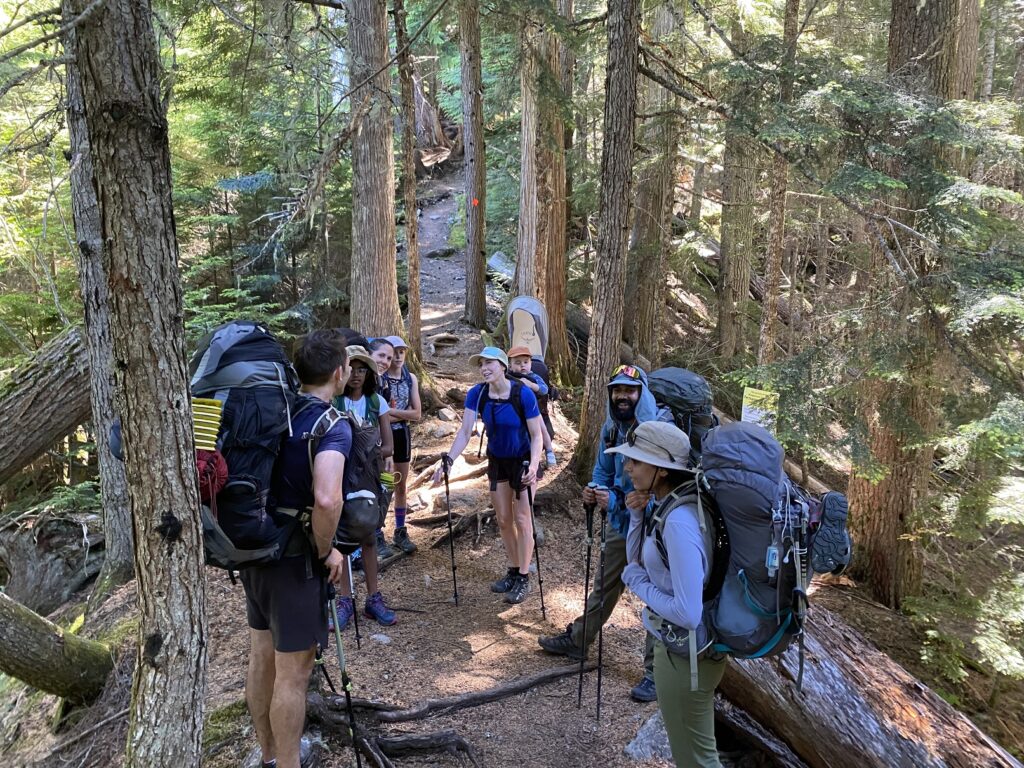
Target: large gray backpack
755, 596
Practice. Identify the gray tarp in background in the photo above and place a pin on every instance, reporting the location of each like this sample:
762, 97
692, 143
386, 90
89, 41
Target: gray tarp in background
528, 325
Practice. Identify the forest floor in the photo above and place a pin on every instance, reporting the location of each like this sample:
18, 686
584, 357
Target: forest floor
438, 649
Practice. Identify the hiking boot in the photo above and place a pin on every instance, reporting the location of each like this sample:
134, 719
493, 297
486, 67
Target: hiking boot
346, 610
403, 542
561, 645
644, 691
832, 549
504, 584
549, 457
378, 610
520, 589
384, 550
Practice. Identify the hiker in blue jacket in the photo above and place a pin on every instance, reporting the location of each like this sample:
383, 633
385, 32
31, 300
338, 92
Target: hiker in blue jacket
630, 402
668, 568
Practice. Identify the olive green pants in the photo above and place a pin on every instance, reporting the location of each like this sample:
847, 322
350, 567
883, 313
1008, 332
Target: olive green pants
608, 585
689, 715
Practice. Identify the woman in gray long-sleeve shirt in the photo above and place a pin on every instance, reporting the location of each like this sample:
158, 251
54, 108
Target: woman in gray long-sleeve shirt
669, 576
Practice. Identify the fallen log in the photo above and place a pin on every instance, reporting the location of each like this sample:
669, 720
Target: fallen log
42, 401
38, 652
857, 707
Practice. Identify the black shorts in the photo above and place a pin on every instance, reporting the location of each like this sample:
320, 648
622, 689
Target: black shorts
402, 438
507, 471
280, 598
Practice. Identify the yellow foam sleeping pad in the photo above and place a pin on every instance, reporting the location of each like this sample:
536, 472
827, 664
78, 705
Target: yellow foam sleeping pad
206, 416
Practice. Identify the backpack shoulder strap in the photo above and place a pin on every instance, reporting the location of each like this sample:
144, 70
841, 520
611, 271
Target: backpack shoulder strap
325, 423
708, 518
515, 397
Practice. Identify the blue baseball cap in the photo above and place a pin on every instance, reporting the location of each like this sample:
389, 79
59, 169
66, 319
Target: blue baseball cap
490, 353
396, 342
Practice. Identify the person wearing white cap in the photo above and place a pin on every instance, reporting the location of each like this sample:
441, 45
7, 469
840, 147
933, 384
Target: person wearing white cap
513, 425
405, 407
669, 564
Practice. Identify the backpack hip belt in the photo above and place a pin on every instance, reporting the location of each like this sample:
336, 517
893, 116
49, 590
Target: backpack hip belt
683, 642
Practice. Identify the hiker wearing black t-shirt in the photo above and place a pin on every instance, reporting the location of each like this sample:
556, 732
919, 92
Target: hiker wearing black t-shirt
286, 600
512, 421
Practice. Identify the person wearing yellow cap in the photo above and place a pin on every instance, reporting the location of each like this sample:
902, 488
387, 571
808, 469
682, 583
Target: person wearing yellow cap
513, 426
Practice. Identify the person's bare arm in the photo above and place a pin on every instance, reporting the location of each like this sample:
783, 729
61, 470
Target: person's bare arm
462, 438
414, 412
534, 426
328, 471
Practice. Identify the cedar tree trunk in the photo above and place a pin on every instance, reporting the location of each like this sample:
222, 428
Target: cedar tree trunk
475, 164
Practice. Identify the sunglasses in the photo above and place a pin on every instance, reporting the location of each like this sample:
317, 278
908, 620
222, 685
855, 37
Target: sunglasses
627, 370
632, 437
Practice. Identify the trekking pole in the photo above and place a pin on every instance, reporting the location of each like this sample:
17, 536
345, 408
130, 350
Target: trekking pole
445, 459
355, 612
346, 683
600, 631
589, 509
536, 549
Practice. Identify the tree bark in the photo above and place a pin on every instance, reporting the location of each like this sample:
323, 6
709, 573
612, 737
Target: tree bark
777, 199
374, 287
645, 291
40, 653
994, 12
117, 521
933, 46
475, 164
128, 137
866, 709
613, 227
57, 374
739, 178
412, 246
530, 256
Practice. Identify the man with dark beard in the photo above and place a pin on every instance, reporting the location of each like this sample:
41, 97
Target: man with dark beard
630, 402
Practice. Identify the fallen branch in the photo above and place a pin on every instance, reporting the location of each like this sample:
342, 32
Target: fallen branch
447, 741
464, 523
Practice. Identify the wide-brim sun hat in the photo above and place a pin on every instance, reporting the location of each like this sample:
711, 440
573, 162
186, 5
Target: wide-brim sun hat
657, 443
627, 375
489, 353
360, 355
396, 342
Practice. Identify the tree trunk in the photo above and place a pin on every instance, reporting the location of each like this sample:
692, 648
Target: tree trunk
530, 258
117, 522
552, 203
40, 653
866, 710
645, 291
49, 556
429, 133
739, 178
128, 136
933, 46
697, 195
989, 62
374, 291
412, 246
613, 227
57, 373
475, 163
777, 199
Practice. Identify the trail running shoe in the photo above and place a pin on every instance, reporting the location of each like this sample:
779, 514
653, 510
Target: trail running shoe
832, 547
378, 610
346, 610
403, 542
561, 645
644, 691
504, 584
384, 550
519, 590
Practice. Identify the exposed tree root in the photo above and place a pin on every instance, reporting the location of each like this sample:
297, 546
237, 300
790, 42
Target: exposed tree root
330, 712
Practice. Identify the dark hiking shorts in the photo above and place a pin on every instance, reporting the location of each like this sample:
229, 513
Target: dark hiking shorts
403, 444
280, 598
507, 471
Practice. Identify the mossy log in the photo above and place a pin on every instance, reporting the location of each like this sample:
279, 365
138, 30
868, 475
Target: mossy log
38, 652
43, 400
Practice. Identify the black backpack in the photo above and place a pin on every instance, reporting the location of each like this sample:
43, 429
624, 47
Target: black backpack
366, 499
244, 367
515, 399
688, 396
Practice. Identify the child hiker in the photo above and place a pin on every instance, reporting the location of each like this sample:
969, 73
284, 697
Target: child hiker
404, 403
513, 426
520, 367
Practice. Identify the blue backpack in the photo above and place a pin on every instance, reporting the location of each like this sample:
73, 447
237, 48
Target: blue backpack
755, 523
